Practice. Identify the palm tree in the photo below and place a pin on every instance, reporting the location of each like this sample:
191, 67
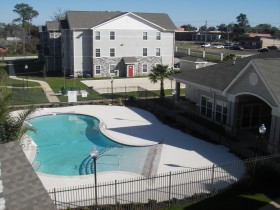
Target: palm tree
160, 73
12, 128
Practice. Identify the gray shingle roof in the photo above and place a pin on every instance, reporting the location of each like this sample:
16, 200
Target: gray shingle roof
129, 60
220, 75
270, 71
22, 189
52, 25
89, 19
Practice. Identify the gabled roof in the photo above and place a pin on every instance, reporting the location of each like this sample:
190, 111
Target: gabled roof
52, 25
270, 71
130, 60
220, 75
90, 19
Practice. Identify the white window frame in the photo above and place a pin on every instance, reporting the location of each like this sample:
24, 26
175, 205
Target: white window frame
97, 35
145, 54
158, 52
95, 70
158, 35
206, 110
96, 53
221, 111
145, 35
112, 71
112, 35
112, 52
146, 69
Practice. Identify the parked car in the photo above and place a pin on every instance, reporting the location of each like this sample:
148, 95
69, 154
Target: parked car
236, 47
177, 65
272, 47
206, 45
219, 46
263, 50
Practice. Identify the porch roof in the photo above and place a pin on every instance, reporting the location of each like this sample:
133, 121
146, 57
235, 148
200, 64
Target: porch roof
129, 60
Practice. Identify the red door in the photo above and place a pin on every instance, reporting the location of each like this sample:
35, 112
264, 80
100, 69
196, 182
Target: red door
130, 71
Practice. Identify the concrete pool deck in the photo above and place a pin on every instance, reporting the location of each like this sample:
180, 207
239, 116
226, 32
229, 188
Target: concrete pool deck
134, 126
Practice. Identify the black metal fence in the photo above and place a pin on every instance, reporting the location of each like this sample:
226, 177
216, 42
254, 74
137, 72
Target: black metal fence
160, 191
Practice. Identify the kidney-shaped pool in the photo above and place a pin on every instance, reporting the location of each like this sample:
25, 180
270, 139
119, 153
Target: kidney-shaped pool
65, 140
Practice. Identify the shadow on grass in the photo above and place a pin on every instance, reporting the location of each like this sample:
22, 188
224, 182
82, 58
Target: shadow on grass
232, 202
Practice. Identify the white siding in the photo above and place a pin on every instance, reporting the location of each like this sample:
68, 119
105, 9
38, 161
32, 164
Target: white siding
129, 39
82, 50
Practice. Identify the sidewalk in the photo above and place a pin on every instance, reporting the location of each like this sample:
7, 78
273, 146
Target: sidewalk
272, 206
47, 89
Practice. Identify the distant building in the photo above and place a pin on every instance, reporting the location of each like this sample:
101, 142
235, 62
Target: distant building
256, 41
108, 43
198, 36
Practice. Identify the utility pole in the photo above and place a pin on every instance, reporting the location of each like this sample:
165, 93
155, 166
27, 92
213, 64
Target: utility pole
205, 35
227, 39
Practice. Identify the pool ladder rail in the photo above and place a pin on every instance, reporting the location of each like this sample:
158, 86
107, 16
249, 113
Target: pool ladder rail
87, 167
102, 125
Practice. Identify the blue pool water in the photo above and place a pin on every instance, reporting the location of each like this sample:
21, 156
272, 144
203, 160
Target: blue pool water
65, 140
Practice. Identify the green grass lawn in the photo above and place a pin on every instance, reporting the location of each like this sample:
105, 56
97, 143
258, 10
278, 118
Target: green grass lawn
228, 202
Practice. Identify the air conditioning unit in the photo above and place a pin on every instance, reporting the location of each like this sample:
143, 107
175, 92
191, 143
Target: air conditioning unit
117, 73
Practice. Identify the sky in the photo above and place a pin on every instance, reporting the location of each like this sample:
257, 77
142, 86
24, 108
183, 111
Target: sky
194, 12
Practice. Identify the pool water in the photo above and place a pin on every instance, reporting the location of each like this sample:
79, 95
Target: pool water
65, 140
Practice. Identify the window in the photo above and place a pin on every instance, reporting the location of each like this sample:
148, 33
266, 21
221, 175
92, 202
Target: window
157, 51
97, 53
251, 115
112, 35
112, 69
97, 70
206, 107
112, 52
145, 68
158, 37
221, 111
97, 35
145, 35
145, 51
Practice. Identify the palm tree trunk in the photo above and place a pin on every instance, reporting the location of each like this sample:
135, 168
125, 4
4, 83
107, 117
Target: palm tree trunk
162, 89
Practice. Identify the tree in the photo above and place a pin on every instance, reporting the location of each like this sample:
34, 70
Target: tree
222, 27
160, 73
203, 28
189, 27
58, 15
211, 28
230, 56
262, 28
242, 25
26, 14
13, 128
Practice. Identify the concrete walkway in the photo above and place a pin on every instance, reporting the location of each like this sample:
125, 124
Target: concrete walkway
133, 126
47, 89
273, 205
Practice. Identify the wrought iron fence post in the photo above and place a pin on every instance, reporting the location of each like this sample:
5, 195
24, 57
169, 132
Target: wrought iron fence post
212, 178
116, 195
54, 192
169, 196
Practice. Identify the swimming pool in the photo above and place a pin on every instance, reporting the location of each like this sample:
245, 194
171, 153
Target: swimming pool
65, 140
